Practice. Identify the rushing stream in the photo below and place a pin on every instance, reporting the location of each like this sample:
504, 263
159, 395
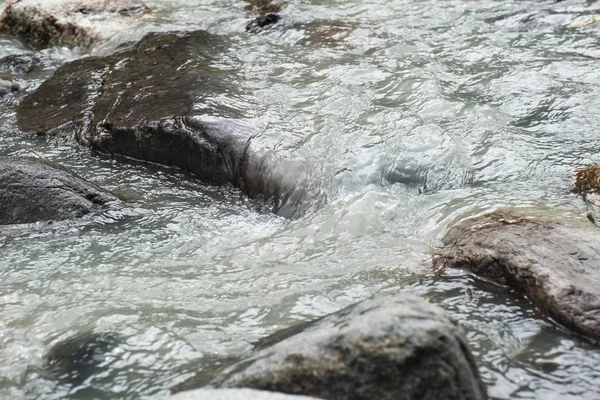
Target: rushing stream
424, 112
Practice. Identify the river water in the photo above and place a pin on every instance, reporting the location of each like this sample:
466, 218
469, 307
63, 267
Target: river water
420, 113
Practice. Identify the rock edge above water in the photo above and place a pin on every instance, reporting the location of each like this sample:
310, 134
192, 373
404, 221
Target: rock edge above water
33, 191
68, 22
157, 102
554, 265
387, 347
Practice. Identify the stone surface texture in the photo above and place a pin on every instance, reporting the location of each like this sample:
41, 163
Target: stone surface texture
387, 347
32, 191
554, 265
158, 101
69, 22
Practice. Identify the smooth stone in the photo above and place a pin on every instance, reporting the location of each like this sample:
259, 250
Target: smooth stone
234, 394
386, 347
554, 265
69, 22
155, 102
33, 191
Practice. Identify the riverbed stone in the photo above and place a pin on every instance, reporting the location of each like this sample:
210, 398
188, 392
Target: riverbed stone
234, 394
387, 347
33, 191
156, 101
554, 265
69, 22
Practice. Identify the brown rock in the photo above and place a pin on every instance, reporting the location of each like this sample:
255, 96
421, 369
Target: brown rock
554, 265
68, 22
587, 184
263, 7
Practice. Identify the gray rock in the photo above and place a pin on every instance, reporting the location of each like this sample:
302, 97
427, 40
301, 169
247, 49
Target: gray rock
234, 394
387, 347
155, 102
31, 191
554, 265
68, 22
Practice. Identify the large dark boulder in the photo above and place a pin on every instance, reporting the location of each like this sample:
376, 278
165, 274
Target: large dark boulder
32, 191
387, 347
554, 265
157, 102
69, 22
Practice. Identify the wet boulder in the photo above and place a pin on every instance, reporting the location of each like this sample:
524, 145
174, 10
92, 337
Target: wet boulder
234, 394
387, 347
32, 191
158, 101
554, 265
69, 22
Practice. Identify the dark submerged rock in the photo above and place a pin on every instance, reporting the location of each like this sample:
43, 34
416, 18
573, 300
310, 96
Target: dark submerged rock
554, 265
262, 22
68, 22
156, 102
77, 359
32, 191
18, 64
387, 347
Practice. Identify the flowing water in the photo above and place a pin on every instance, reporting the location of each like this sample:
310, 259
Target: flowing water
422, 112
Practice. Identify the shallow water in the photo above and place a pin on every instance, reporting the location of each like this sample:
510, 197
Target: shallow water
425, 112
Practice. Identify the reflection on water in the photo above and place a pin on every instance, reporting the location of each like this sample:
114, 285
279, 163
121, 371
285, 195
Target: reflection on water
424, 111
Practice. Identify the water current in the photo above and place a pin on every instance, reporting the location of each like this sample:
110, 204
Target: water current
423, 112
